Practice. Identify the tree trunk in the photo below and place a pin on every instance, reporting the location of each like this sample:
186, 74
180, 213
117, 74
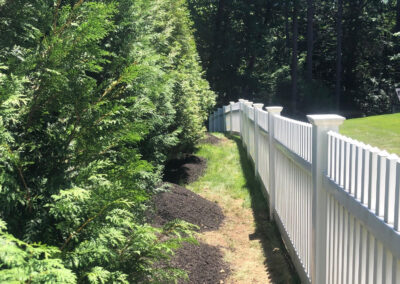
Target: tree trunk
218, 21
286, 11
310, 38
339, 33
217, 46
397, 28
294, 56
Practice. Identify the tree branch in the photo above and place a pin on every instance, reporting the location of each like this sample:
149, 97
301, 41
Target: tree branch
77, 231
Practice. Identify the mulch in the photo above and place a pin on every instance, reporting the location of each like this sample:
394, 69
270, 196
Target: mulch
181, 203
203, 263
210, 139
184, 170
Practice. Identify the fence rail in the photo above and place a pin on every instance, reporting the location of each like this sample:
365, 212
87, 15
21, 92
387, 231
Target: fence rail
335, 200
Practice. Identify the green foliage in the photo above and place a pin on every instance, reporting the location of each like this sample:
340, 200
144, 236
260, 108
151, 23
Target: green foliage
34, 263
246, 49
94, 95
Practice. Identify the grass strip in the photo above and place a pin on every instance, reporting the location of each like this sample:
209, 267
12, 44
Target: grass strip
249, 240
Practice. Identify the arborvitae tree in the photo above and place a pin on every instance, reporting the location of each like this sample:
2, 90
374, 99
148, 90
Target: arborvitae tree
93, 97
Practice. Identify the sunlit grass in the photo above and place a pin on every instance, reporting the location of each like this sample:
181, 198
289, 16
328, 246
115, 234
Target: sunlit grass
224, 173
382, 131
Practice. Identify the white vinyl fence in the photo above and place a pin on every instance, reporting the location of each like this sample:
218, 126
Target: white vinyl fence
336, 200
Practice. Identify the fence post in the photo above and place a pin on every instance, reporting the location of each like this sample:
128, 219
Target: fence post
257, 107
215, 121
221, 122
231, 116
242, 101
321, 124
212, 122
221, 115
240, 117
224, 114
246, 126
217, 114
219, 119
272, 112
224, 126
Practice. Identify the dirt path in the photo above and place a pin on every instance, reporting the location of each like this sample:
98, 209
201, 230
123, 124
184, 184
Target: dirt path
237, 243
251, 244
243, 253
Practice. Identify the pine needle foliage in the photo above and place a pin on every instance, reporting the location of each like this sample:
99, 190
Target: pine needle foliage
94, 96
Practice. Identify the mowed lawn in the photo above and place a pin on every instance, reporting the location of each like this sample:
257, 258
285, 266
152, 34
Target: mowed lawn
382, 131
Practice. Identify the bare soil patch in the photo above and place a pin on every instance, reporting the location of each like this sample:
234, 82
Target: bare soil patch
185, 169
241, 250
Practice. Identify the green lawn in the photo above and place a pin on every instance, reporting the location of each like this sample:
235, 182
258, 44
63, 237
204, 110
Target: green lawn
382, 131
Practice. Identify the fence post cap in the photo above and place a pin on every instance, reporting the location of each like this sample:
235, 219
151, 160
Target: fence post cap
259, 106
242, 100
325, 119
231, 103
248, 103
274, 109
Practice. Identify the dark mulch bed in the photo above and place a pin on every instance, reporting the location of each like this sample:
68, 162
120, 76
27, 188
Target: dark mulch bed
210, 139
185, 169
204, 263
181, 203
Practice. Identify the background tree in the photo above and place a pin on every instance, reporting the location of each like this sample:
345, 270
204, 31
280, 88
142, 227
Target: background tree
310, 38
257, 62
338, 89
295, 55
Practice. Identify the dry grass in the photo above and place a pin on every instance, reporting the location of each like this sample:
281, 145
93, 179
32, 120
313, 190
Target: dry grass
250, 243
244, 256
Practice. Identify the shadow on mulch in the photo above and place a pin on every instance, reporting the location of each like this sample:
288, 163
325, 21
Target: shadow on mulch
184, 170
277, 258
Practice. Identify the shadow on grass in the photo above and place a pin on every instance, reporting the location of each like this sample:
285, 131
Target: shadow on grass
277, 263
